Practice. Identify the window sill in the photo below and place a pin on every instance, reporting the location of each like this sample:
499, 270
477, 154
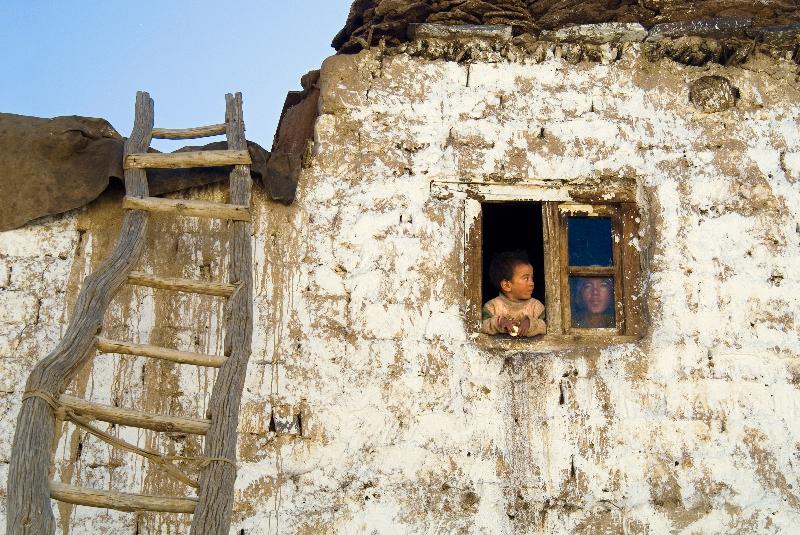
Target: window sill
550, 343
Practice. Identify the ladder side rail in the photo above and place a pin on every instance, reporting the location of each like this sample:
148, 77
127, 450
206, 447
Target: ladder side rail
217, 479
28, 499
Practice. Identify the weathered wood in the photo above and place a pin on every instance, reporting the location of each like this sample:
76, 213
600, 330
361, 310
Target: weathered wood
189, 208
588, 209
134, 418
162, 353
592, 271
563, 270
473, 271
614, 271
218, 289
200, 158
552, 268
120, 501
189, 133
635, 320
549, 344
213, 513
28, 499
619, 290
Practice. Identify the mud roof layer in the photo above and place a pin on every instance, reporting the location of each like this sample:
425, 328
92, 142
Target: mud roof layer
371, 21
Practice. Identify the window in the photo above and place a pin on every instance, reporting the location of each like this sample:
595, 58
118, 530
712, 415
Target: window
511, 226
586, 263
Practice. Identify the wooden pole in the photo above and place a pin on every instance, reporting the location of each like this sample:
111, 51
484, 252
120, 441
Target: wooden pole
134, 418
175, 160
162, 353
28, 501
189, 208
213, 513
217, 289
120, 501
189, 133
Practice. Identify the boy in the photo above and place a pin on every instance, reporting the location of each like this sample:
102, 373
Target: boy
514, 311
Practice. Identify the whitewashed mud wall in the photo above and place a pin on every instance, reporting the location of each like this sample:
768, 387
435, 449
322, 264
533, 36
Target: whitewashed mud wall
407, 424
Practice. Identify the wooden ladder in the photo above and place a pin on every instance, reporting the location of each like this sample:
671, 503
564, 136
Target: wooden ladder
29, 486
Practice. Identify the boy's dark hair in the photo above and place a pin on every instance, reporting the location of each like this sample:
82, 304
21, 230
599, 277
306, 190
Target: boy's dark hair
503, 264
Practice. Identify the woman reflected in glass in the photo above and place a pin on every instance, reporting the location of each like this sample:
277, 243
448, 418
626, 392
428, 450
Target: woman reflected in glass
593, 303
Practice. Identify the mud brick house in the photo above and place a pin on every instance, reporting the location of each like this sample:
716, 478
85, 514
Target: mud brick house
440, 133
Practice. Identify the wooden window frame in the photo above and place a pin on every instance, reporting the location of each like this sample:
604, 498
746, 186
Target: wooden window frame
627, 273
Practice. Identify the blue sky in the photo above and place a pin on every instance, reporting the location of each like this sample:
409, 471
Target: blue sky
89, 57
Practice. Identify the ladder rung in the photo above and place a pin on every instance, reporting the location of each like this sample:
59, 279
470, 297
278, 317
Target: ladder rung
199, 158
189, 133
120, 501
183, 357
188, 208
218, 289
134, 418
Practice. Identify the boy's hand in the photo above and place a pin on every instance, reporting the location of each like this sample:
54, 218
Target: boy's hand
505, 324
524, 327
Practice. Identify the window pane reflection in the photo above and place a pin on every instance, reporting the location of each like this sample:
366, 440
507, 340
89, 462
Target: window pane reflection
592, 302
589, 241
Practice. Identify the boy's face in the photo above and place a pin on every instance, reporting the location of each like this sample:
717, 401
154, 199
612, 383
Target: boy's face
520, 287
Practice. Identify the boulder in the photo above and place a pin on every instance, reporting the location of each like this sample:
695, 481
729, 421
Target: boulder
295, 132
49, 166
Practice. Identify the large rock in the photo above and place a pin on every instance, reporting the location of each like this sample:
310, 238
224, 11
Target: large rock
295, 132
49, 166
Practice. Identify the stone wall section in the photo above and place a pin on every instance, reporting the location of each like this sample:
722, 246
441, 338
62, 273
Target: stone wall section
370, 407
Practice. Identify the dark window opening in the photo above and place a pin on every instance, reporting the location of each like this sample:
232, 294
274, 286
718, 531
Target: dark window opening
511, 226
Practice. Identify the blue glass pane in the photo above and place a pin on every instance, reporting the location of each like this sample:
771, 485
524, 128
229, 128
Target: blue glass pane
592, 302
589, 241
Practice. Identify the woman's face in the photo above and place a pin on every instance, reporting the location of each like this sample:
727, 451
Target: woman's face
596, 295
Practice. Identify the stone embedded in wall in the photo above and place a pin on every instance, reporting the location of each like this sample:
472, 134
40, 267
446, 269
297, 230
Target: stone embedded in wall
722, 40
781, 35
716, 27
285, 420
512, 13
713, 93
17, 307
596, 43
463, 31
697, 51
598, 34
